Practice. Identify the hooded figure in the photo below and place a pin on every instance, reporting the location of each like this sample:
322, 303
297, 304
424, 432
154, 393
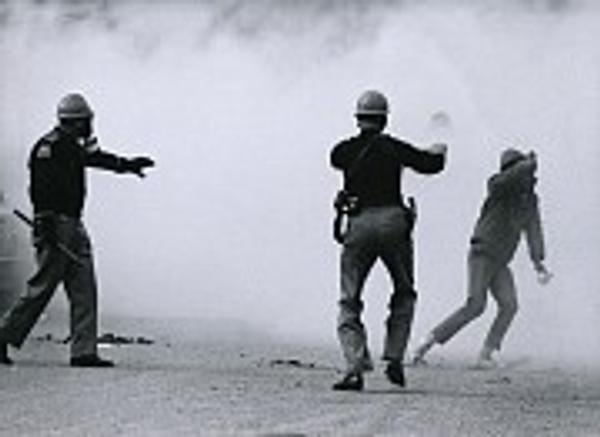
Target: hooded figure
509, 210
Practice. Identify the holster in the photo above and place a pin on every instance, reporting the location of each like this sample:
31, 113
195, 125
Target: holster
44, 228
338, 233
411, 210
346, 205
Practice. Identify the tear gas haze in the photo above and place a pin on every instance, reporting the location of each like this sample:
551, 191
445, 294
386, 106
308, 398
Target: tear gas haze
240, 103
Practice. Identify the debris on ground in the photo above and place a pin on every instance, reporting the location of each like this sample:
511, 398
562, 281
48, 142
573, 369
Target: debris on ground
296, 363
501, 380
110, 338
292, 363
49, 338
106, 338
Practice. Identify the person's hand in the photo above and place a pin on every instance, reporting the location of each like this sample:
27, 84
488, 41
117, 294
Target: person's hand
439, 149
138, 164
543, 275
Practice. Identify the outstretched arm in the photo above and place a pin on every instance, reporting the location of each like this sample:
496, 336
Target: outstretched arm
426, 161
534, 234
535, 243
95, 157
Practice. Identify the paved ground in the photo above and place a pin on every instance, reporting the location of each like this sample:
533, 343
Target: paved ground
187, 383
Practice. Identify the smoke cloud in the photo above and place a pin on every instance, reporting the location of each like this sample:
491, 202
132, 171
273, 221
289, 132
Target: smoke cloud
240, 103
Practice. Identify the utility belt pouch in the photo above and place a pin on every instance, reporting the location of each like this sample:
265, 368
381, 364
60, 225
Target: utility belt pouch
346, 203
411, 210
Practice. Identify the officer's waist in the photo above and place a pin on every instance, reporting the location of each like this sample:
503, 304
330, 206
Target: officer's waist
58, 215
380, 203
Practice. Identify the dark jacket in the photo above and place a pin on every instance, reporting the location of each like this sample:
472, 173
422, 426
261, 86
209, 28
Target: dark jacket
510, 209
57, 172
377, 178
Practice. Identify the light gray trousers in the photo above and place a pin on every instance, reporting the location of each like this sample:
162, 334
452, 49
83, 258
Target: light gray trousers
80, 284
376, 233
483, 274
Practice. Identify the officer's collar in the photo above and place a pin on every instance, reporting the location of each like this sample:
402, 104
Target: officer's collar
370, 133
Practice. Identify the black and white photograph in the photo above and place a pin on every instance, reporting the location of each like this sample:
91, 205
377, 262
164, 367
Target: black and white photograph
299, 218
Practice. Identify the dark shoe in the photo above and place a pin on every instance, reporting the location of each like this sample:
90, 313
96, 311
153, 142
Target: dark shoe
4, 358
395, 373
90, 361
350, 382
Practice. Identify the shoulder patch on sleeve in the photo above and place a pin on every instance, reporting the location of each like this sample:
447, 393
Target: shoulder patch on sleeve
44, 151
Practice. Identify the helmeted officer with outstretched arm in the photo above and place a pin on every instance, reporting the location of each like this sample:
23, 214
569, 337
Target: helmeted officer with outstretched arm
57, 190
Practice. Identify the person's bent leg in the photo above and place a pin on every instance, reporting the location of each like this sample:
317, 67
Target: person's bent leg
397, 256
356, 263
398, 261
18, 322
504, 292
480, 271
357, 260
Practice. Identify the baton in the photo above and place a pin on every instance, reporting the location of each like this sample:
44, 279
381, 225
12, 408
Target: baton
59, 244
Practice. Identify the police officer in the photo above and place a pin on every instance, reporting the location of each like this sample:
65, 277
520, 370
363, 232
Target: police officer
379, 227
509, 211
57, 190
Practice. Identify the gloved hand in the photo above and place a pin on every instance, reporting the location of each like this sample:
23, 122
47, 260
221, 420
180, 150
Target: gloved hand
438, 149
138, 164
44, 228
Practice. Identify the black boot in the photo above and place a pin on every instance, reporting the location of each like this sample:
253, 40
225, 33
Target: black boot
395, 373
90, 360
4, 358
350, 382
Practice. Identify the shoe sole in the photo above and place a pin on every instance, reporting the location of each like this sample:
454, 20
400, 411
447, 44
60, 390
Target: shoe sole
357, 389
